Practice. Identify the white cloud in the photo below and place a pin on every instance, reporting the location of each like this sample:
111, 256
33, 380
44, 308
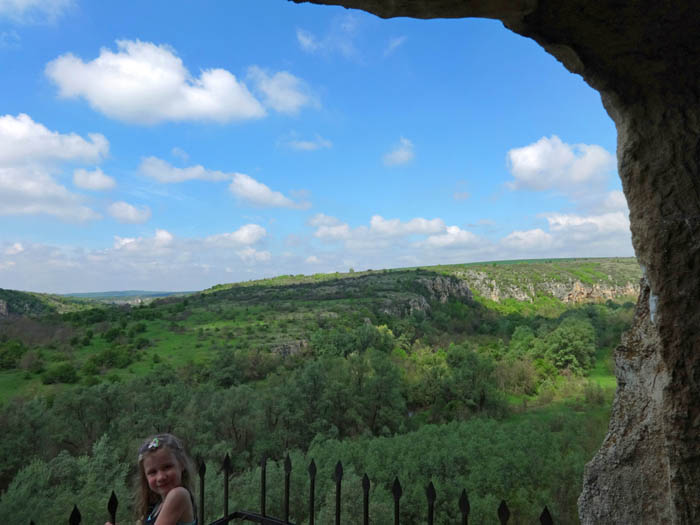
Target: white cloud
307, 41
460, 195
125, 212
165, 172
394, 227
146, 83
14, 249
27, 11
251, 255
245, 235
339, 39
180, 154
333, 233
30, 191
256, 193
401, 154
321, 219
281, 91
615, 201
394, 44
318, 142
453, 236
528, 240
550, 164
312, 259
93, 180
585, 226
23, 141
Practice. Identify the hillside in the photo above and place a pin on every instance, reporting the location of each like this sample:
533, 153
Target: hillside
326, 367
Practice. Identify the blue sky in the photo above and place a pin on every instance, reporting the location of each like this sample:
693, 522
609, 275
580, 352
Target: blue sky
176, 145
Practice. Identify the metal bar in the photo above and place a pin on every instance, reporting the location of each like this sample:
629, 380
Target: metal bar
112, 505
503, 512
312, 490
226, 467
396, 491
263, 481
431, 495
365, 499
202, 472
250, 516
546, 517
464, 507
287, 475
75, 516
337, 477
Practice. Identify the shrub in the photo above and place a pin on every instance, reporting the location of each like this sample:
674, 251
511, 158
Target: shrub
60, 373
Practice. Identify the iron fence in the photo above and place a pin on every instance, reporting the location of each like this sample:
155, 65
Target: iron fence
503, 513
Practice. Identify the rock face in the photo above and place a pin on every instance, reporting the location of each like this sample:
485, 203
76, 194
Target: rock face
643, 56
4, 312
443, 288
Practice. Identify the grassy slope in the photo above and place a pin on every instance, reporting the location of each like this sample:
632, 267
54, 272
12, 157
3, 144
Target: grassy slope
268, 313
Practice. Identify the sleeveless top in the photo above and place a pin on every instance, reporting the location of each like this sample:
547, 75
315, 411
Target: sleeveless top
153, 515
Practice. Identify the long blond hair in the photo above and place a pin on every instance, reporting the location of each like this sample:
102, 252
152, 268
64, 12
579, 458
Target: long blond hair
145, 497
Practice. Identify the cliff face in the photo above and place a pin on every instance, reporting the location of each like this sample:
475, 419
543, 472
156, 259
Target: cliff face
569, 290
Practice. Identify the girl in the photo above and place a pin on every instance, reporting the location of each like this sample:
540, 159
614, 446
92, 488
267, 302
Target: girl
165, 479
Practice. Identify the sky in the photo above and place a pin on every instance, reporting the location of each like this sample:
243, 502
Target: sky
175, 145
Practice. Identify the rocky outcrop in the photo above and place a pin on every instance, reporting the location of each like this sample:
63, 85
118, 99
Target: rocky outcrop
644, 58
291, 348
581, 293
4, 310
443, 288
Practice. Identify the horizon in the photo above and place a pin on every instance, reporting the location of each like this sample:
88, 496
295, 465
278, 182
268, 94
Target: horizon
273, 139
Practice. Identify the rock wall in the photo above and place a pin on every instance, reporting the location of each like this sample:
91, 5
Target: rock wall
644, 58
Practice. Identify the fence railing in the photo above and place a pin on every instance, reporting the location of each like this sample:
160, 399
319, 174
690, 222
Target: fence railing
503, 512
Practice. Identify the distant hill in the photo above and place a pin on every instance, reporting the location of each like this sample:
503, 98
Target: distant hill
125, 296
13, 302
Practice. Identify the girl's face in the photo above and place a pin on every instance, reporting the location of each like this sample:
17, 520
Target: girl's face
163, 471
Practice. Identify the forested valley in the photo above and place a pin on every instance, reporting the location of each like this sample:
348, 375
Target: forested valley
496, 378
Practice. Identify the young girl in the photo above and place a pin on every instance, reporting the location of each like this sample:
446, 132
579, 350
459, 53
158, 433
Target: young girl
165, 483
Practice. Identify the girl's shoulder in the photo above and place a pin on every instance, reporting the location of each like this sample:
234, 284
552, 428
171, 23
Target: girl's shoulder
177, 506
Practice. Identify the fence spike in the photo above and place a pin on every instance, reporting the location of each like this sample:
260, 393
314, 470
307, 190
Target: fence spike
431, 495
202, 473
263, 483
226, 467
337, 477
287, 474
312, 490
397, 492
503, 512
365, 499
112, 505
546, 517
464, 507
75, 516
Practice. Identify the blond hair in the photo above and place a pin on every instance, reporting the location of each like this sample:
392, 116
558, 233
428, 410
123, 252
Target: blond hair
145, 497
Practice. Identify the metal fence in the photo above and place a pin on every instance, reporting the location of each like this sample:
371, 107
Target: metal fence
261, 517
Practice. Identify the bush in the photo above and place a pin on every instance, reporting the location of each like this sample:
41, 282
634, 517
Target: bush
60, 373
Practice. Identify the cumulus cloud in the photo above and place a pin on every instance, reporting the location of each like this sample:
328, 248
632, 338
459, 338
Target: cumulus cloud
281, 91
321, 219
579, 226
528, 240
453, 236
247, 234
394, 227
243, 186
258, 194
401, 154
163, 171
312, 259
145, 83
30, 155
550, 164
23, 141
93, 180
28, 11
318, 142
125, 212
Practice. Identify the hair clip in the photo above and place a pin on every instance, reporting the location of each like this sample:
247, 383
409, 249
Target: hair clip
154, 444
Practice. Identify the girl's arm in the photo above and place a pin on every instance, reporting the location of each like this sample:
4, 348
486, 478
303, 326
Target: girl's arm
177, 506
